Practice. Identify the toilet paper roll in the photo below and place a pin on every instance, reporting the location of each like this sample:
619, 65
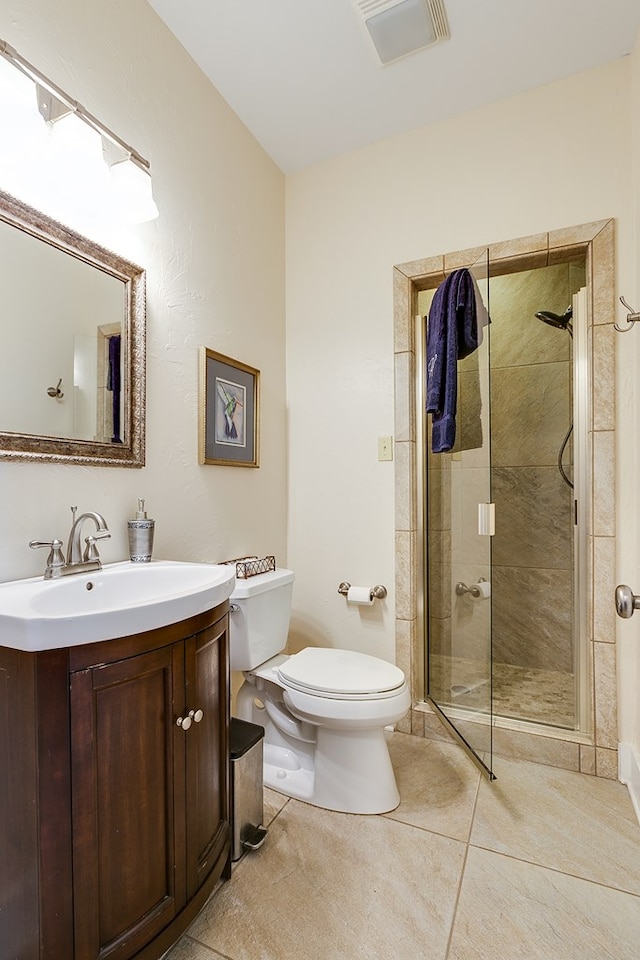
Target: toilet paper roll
360, 595
484, 590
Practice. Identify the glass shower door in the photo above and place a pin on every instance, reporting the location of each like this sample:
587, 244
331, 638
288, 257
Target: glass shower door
459, 526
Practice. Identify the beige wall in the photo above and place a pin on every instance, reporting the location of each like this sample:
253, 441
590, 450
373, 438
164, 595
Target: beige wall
215, 277
558, 156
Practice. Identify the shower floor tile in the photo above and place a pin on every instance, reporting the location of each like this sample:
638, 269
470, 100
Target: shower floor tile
539, 696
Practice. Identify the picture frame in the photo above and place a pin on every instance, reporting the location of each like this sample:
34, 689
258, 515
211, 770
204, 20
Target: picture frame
229, 402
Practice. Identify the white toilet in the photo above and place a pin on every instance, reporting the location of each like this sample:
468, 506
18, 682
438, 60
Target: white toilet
324, 711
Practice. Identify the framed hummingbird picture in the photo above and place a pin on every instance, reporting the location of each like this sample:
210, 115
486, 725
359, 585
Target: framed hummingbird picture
228, 427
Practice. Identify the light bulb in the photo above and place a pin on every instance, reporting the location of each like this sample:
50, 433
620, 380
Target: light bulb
133, 191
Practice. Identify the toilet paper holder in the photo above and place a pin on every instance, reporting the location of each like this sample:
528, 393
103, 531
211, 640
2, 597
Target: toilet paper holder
377, 593
474, 590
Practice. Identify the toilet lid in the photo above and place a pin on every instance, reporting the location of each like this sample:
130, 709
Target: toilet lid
340, 673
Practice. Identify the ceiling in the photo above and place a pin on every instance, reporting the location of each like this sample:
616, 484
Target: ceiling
304, 77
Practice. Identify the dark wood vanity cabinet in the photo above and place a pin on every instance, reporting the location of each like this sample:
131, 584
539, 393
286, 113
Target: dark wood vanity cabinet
115, 823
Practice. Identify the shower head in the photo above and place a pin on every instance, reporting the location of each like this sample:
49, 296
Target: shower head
560, 322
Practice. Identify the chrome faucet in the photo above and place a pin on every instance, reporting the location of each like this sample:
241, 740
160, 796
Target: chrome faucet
90, 551
77, 561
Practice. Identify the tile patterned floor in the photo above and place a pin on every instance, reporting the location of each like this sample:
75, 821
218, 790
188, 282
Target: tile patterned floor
538, 696
543, 864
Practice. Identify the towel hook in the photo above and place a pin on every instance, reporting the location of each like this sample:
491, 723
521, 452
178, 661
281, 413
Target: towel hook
632, 316
56, 391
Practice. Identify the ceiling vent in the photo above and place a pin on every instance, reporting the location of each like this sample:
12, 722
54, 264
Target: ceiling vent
400, 27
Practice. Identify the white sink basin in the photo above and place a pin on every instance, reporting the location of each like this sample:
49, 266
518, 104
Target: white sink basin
119, 600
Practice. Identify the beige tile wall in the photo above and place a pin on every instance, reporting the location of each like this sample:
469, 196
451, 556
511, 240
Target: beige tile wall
531, 411
594, 749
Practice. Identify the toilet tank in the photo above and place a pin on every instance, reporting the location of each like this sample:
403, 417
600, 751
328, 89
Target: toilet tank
259, 618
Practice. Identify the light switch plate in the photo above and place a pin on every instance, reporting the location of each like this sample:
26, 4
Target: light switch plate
385, 448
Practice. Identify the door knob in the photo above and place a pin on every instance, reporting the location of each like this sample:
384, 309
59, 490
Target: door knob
196, 715
626, 601
184, 722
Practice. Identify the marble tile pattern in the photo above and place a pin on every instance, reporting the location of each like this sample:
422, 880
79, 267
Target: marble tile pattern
531, 617
530, 413
542, 864
534, 517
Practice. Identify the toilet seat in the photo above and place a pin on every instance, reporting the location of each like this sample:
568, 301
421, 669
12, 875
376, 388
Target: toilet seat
340, 674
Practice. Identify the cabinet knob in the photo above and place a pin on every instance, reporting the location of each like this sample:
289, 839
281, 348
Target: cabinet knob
196, 715
184, 722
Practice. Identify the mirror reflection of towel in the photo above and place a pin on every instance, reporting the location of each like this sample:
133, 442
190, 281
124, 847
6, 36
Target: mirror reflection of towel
113, 384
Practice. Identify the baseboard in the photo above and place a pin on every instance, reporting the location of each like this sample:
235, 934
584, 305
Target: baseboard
629, 773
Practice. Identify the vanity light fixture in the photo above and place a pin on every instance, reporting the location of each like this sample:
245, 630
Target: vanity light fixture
132, 186
49, 107
400, 27
55, 105
130, 183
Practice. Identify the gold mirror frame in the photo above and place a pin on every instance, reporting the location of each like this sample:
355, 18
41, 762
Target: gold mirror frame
130, 453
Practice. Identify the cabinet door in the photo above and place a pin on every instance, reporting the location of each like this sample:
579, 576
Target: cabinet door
127, 754
207, 753
19, 933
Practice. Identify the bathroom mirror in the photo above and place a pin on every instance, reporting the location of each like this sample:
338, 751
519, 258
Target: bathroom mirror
72, 367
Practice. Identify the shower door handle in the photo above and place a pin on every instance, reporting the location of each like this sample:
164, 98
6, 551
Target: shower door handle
626, 601
486, 519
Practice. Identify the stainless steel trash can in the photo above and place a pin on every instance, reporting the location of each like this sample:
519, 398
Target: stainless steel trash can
246, 787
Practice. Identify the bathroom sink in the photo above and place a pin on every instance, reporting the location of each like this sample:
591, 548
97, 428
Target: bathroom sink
119, 600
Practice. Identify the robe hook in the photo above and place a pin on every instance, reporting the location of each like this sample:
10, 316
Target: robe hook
56, 391
632, 316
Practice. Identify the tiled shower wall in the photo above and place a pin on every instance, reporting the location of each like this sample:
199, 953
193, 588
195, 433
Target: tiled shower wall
531, 411
594, 749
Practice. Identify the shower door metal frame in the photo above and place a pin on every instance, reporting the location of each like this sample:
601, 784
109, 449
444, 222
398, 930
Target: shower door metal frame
582, 454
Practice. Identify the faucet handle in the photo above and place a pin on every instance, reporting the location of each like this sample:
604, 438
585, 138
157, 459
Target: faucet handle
91, 550
55, 560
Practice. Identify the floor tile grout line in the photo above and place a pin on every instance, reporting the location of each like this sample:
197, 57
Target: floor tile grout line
456, 902
563, 873
423, 829
214, 953
463, 869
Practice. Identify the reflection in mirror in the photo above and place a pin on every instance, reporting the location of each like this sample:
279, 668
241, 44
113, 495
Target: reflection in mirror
72, 371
